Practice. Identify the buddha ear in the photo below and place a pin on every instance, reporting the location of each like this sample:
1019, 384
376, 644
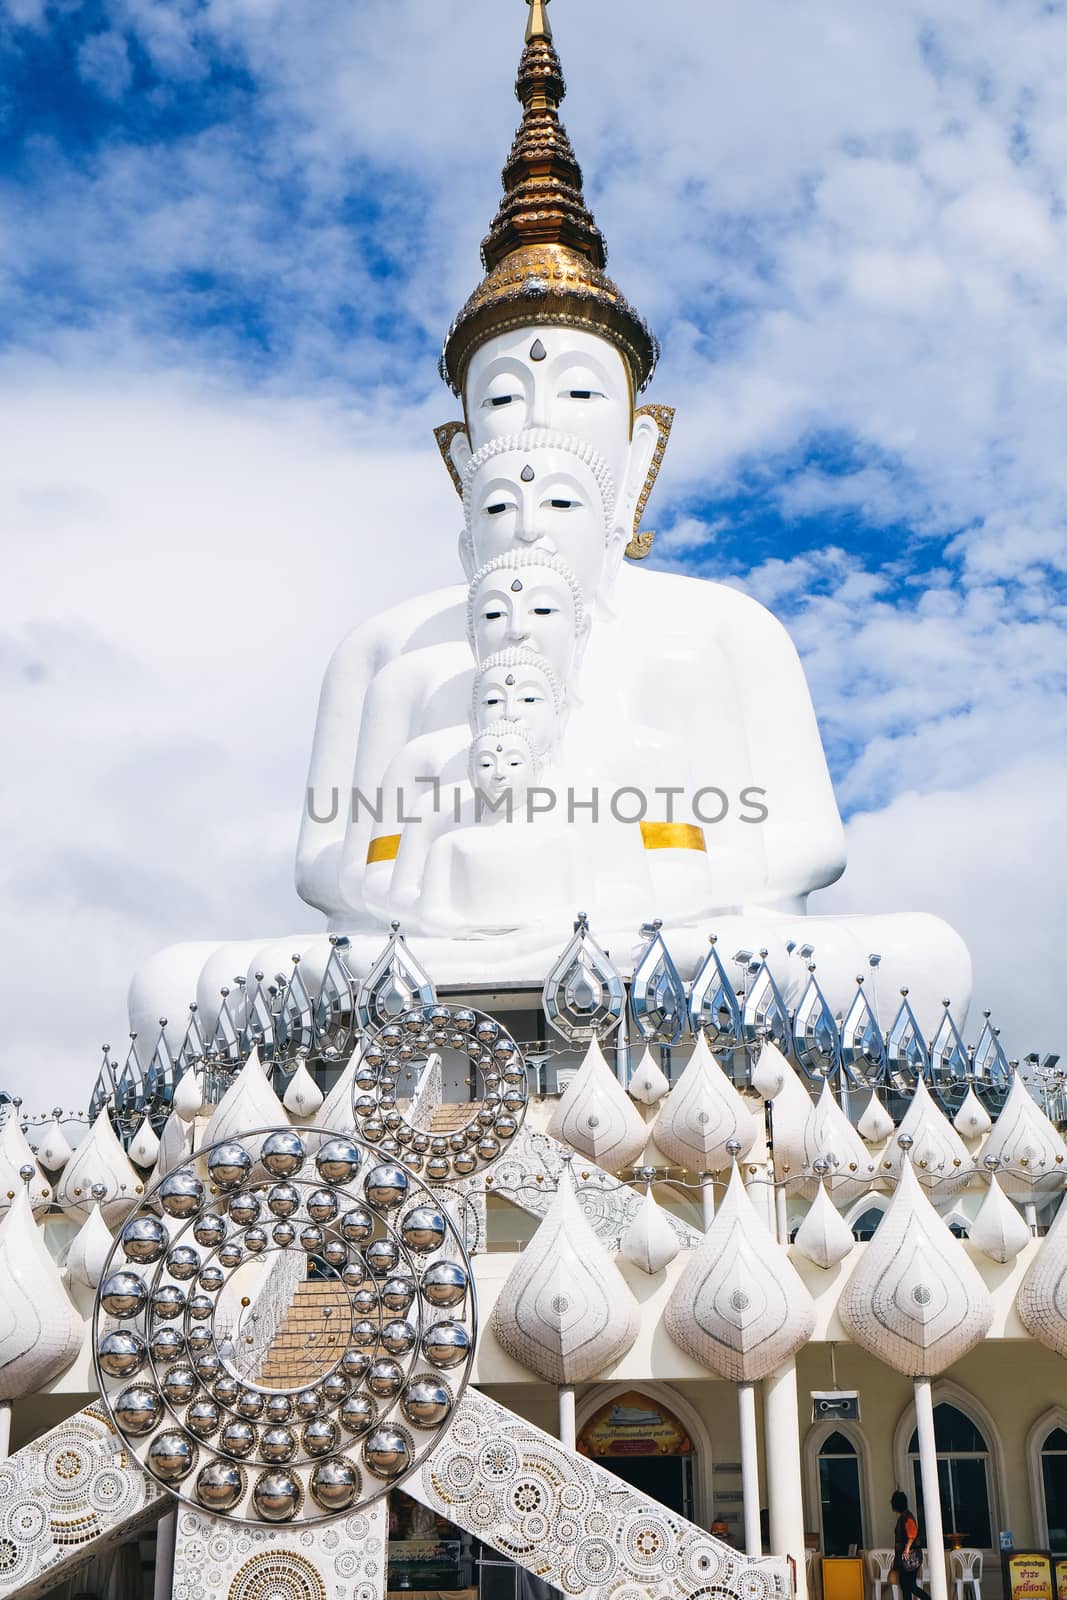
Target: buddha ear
455, 451
643, 445
581, 640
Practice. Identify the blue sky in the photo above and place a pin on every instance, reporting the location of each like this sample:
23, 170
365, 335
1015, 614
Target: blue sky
232, 235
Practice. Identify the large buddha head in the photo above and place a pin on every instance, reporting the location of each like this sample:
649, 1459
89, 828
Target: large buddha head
548, 347
518, 688
502, 766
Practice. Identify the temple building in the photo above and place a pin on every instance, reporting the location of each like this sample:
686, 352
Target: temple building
578, 1210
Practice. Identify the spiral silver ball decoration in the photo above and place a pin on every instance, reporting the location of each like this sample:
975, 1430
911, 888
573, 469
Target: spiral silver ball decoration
250, 1395
404, 1045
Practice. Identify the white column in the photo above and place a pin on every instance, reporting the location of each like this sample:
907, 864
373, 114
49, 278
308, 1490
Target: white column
707, 1199
746, 1417
622, 1052
163, 1582
5, 1429
567, 1432
935, 1534
781, 1441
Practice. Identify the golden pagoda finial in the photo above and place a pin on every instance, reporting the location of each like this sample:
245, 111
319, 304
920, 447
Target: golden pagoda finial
544, 255
537, 24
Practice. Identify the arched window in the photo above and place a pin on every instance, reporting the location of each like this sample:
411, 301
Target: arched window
1054, 1486
840, 1498
865, 1224
962, 1476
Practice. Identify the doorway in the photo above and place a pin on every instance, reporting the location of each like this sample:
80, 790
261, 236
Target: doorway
642, 1442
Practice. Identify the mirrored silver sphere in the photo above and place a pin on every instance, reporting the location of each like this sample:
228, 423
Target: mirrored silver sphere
320, 1437
423, 1229
357, 1225
137, 1409
171, 1456
123, 1294
277, 1444
121, 1353
283, 1200
444, 1284
384, 1379
228, 1164
446, 1344
426, 1402
277, 1496
183, 1262
334, 1485
283, 1154
203, 1418
209, 1230
181, 1194
180, 1385
219, 1486
238, 1439
398, 1337
387, 1453
144, 1240
386, 1185
338, 1161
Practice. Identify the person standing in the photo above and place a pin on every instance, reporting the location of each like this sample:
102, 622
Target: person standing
908, 1555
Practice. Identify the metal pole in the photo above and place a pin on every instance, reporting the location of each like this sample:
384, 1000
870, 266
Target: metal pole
746, 1417
781, 1434
935, 1534
5, 1429
567, 1430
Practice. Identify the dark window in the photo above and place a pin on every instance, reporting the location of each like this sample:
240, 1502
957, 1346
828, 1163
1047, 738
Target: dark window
1054, 1480
962, 1476
864, 1226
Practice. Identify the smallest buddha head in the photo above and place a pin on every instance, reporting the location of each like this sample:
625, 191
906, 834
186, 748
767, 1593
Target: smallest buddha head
502, 766
519, 688
529, 600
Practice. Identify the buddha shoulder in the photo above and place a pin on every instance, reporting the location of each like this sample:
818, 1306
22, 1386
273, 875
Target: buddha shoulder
679, 600
436, 618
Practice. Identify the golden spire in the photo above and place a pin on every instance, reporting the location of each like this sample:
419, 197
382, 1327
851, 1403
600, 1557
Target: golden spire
544, 254
538, 25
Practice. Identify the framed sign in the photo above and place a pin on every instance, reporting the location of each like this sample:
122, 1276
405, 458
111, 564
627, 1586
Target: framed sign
1028, 1575
634, 1425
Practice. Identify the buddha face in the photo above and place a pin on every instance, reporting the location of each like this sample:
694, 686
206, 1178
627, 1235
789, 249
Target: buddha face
519, 695
502, 763
530, 606
569, 391
544, 499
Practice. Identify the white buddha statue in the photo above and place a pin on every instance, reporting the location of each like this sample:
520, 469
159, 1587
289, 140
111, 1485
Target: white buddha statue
688, 774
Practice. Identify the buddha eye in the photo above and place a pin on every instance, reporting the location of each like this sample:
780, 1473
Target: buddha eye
563, 505
493, 616
496, 400
544, 611
583, 394
529, 699
497, 508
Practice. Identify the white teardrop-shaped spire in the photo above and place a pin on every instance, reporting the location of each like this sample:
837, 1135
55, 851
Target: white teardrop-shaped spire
702, 1114
915, 1299
248, 1103
303, 1097
1032, 1155
188, 1099
1042, 1298
740, 1307
16, 1154
649, 1242
335, 1113
99, 1159
972, 1120
40, 1331
89, 1250
824, 1236
775, 1079
175, 1145
998, 1230
144, 1146
876, 1125
939, 1156
830, 1136
53, 1147
565, 1311
596, 1116
648, 1082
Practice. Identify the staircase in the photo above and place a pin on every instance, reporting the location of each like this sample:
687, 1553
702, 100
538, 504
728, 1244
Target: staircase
72, 1494
313, 1336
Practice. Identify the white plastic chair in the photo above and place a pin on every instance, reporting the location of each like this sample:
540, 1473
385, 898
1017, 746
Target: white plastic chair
965, 1566
880, 1567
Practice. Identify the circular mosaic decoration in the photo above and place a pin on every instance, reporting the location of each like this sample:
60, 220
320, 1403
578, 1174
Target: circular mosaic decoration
401, 1048
278, 1575
283, 1328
